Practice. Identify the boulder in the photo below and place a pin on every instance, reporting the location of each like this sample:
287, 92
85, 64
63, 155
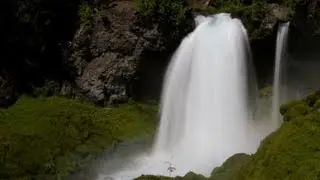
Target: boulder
229, 169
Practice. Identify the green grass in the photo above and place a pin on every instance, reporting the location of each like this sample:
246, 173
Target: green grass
293, 151
45, 138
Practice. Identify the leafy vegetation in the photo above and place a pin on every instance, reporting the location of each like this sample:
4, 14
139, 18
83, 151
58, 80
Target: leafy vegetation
163, 11
172, 16
46, 138
251, 15
85, 13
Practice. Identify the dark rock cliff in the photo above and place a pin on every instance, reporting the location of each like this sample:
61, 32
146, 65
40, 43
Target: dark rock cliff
107, 55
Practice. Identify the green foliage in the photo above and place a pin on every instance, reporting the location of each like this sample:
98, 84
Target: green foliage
284, 108
46, 138
193, 176
188, 176
313, 97
259, 9
85, 13
163, 11
293, 151
229, 169
170, 15
146, 8
251, 16
265, 92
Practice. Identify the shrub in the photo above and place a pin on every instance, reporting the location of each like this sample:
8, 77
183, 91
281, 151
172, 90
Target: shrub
85, 13
170, 15
163, 11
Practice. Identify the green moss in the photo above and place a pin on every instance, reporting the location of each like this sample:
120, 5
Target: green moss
85, 13
45, 138
266, 91
230, 167
188, 176
151, 177
316, 105
313, 97
295, 111
171, 15
193, 176
293, 151
284, 108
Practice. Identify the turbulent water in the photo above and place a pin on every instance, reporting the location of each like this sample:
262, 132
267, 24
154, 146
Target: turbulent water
279, 85
206, 108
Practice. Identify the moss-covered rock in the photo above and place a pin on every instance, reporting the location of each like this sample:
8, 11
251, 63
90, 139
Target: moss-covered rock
188, 176
230, 167
293, 151
193, 176
284, 108
45, 138
265, 92
151, 177
313, 97
295, 111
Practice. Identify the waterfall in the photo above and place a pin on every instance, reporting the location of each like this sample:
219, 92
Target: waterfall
278, 90
206, 106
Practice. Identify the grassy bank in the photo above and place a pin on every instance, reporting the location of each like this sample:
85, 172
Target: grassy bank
44, 138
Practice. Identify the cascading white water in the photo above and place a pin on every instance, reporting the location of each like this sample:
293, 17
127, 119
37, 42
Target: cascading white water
278, 79
205, 102
205, 110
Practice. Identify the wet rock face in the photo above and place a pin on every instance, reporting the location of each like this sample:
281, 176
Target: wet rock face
106, 54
